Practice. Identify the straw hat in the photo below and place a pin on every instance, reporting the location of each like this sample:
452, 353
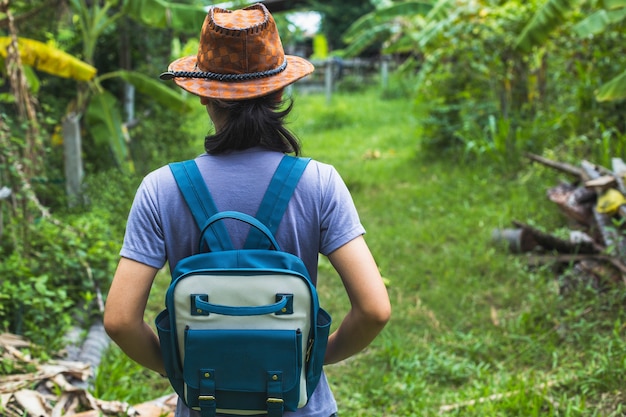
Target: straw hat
240, 57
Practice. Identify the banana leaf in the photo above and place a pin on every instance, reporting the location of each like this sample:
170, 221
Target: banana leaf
441, 10
104, 123
156, 89
614, 4
548, 18
436, 22
373, 20
403, 45
49, 59
366, 38
432, 30
598, 21
162, 14
613, 90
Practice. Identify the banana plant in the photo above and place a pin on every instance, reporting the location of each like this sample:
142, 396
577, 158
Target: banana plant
162, 14
613, 13
555, 12
405, 27
104, 121
383, 24
549, 17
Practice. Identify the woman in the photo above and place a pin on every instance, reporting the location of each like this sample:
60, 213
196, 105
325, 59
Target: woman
239, 74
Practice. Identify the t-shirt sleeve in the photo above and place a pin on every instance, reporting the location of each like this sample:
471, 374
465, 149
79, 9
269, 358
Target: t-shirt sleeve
340, 222
143, 240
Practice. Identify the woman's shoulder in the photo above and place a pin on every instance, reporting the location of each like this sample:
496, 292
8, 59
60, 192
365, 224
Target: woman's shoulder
323, 172
159, 181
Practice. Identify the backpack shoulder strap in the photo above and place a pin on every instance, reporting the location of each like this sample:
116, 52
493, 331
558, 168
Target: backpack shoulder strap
198, 198
277, 196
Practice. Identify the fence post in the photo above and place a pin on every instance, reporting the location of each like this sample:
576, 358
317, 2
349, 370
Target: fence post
328, 79
5, 192
73, 158
384, 72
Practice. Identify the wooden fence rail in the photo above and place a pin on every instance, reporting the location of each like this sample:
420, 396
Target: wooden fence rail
330, 71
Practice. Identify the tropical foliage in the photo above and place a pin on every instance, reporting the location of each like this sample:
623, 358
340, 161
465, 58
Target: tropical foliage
92, 22
499, 78
486, 79
46, 83
601, 17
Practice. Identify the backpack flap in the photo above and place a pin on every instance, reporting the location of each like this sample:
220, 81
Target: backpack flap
265, 365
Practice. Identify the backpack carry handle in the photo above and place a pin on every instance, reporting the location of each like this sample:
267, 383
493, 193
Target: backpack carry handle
236, 215
207, 307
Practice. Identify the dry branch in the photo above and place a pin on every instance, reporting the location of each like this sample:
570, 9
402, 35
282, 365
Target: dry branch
497, 397
560, 166
596, 205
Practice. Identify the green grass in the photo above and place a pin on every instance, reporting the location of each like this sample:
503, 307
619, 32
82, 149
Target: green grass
475, 331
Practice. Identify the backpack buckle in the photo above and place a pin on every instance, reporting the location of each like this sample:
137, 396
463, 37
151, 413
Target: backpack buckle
206, 398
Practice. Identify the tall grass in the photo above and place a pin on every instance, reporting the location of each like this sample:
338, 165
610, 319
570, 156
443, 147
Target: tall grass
475, 331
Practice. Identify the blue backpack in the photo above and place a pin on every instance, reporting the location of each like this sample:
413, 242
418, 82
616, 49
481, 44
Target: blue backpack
242, 332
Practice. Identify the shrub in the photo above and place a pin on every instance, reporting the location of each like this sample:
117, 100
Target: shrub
52, 280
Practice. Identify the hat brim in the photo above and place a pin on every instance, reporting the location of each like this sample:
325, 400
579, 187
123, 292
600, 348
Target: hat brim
296, 69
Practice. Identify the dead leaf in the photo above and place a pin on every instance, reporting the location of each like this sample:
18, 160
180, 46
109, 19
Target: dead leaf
32, 402
9, 339
494, 317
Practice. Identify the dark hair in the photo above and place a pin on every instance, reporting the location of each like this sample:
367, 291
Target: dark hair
253, 122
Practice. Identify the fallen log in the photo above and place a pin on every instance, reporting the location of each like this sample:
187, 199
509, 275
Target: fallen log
574, 202
515, 240
550, 242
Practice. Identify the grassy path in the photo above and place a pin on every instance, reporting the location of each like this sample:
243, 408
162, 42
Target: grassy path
474, 331
470, 320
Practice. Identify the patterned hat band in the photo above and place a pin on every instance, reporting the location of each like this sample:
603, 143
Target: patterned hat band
168, 75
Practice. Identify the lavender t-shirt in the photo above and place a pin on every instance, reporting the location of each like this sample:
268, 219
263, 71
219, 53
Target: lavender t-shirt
320, 218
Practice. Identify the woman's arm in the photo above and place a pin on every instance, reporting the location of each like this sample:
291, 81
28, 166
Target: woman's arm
124, 311
370, 307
